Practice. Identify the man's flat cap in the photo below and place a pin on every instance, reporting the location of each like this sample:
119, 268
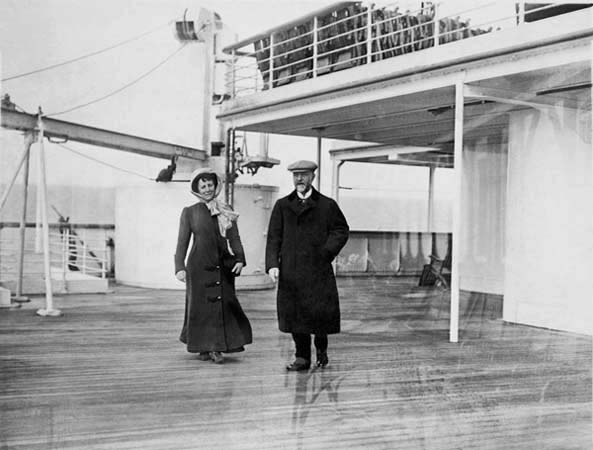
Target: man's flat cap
302, 166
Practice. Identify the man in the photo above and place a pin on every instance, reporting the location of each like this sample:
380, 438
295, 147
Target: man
307, 231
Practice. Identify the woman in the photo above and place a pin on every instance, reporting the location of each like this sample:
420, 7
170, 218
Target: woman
214, 320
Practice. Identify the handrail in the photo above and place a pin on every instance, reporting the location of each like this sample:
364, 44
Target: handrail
69, 252
88, 226
298, 21
354, 33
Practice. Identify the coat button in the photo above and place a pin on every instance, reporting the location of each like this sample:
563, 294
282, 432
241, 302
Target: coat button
217, 283
218, 267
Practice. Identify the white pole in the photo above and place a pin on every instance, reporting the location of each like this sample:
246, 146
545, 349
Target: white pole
318, 179
458, 171
431, 170
38, 207
84, 250
49, 302
208, 86
336, 165
65, 252
30, 137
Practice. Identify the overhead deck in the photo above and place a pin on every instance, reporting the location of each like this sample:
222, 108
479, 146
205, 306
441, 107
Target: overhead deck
408, 100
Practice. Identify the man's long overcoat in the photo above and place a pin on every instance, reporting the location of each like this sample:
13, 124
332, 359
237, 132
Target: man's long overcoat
302, 241
214, 319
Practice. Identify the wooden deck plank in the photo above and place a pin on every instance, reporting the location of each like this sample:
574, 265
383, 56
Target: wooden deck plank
110, 374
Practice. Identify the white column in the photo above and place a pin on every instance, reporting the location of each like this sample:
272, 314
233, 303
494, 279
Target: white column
431, 170
318, 178
336, 165
30, 137
457, 170
208, 80
49, 302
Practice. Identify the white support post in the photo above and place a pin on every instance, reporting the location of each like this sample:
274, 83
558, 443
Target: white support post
84, 251
431, 171
49, 303
318, 178
107, 260
65, 251
38, 232
315, 44
234, 74
458, 173
208, 63
30, 137
336, 165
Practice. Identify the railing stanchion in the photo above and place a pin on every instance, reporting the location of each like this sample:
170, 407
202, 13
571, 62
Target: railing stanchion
369, 34
436, 24
315, 44
521, 12
84, 250
271, 77
234, 73
65, 251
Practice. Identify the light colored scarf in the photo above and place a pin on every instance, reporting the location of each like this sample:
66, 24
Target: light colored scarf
223, 212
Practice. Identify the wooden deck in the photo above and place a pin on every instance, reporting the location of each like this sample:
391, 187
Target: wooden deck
111, 374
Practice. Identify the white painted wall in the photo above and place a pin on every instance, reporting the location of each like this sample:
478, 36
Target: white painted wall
481, 265
147, 224
548, 276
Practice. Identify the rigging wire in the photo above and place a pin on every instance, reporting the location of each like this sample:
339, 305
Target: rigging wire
88, 55
103, 162
144, 75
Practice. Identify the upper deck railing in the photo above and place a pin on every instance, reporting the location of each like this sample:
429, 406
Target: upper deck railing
350, 34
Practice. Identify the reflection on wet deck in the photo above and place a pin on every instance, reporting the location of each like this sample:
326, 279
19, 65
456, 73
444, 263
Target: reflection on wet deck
110, 374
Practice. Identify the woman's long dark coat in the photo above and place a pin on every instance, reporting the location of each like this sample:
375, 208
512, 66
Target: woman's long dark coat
302, 242
214, 319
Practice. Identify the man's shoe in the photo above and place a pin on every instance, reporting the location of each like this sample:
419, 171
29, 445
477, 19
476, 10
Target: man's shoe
299, 364
322, 359
217, 357
204, 356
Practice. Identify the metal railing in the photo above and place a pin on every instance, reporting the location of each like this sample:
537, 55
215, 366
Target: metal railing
351, 34
71, 252
87, 256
